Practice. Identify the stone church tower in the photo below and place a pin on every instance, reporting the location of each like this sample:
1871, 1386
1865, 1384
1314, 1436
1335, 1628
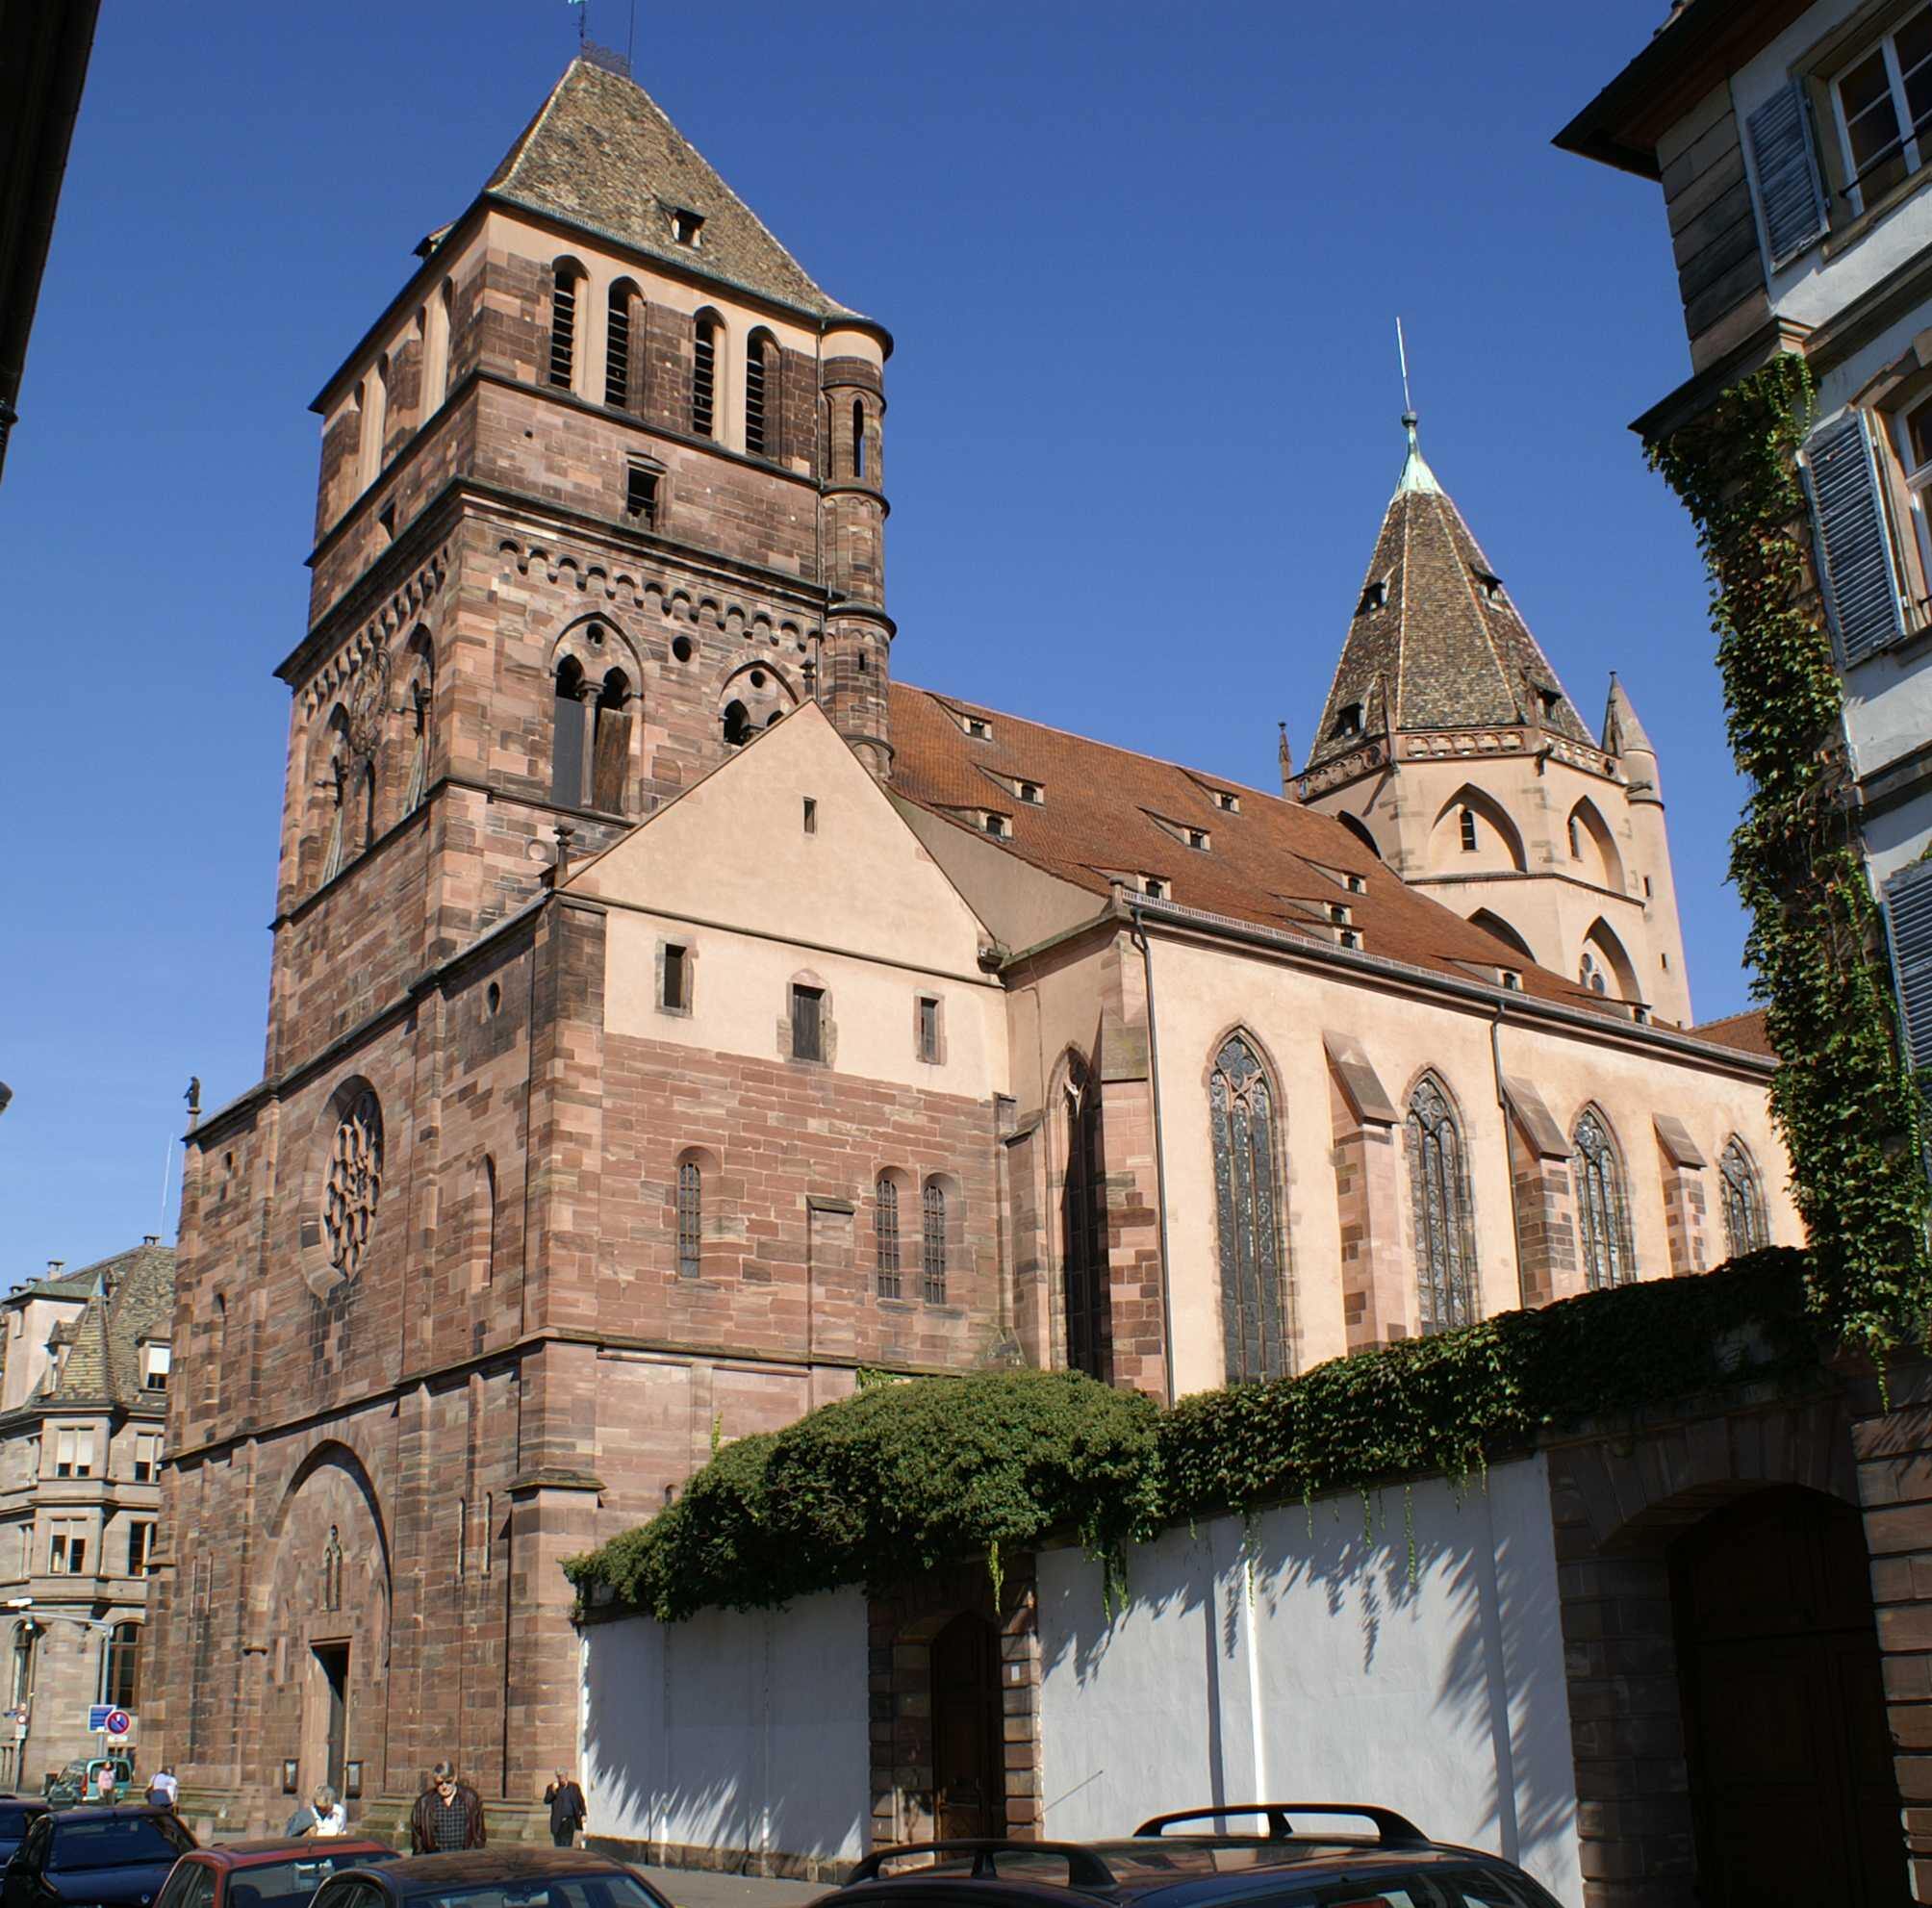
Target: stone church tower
1449, 746
601, 498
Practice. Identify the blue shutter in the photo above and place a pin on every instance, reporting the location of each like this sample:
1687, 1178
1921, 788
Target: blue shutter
1787, 167
1854, 549
1907, 900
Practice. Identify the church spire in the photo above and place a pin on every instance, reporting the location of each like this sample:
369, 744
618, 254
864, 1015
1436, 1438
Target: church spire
1435, 630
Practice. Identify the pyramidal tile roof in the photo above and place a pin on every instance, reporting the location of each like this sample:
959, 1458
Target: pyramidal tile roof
1107, 814
603, 155
1435, 642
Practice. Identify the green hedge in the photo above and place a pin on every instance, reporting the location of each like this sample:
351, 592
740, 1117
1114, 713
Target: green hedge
902, 1479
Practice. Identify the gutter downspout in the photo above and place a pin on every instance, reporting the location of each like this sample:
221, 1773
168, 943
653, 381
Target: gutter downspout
1146, 947
1508, 1170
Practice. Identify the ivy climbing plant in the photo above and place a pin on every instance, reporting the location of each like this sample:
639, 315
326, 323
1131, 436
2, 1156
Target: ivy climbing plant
1843, 1096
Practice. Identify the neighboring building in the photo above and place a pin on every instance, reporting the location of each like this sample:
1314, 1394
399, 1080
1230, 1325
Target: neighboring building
1792, 140
84, 1370
48, 48
671, 1015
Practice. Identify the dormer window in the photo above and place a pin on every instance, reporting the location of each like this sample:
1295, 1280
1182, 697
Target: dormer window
1349, 721
978, 728
1196, 839
1549, 700
1374, 598
1228, 802
154, 1363
1512, 981
1031, 792
686, 226
1355, 885
1489, 588
998, 825
1340, 914
1154, 887
1347, 937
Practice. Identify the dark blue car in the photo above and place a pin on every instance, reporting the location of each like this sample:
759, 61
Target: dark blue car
94, 1858
16, 1816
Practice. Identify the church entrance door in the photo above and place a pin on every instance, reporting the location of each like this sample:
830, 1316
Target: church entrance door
968, 1770
332, 1660
1791, 1760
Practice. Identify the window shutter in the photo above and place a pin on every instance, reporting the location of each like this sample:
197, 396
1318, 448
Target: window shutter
1854, 550
1788, 181
1907, 900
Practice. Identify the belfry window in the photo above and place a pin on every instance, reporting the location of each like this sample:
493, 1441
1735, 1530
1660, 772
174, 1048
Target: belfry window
610, 743
885, 1232
704, 378
617, 345
690, 1219
1348, 720
761, 391
737, 725
1602, 1210
1745, 1229
1248, 1226
563, 324
567, 736
858, 439
1438, 1182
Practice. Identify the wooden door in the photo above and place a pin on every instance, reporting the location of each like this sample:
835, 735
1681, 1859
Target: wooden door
968, 1773
333, 1659
1790, 1758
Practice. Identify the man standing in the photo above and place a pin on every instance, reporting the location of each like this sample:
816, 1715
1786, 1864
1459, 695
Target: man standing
448, 1814
566, 1809
107, 1792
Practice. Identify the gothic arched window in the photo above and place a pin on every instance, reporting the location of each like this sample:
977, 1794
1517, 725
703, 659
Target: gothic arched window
1438, 1180
1746, 1227
859, 438
1602, 1210
704, 376
567, 735
354, 1183
690, 1219
610, 743
624, 298
885, 1228
933, 1241
1241, 1109
1083, 1226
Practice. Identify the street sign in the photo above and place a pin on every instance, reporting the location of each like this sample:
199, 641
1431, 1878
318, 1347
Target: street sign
118, 1723
97, 1717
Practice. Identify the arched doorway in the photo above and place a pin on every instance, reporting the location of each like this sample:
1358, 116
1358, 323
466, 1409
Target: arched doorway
1792, 1781
968, 1767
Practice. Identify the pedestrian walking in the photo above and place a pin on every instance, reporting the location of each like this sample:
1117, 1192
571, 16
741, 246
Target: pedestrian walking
448, 1814
566, 1809
163, 1791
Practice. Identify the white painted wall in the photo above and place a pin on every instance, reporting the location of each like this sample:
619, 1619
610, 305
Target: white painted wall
736, 1731
1335, 1679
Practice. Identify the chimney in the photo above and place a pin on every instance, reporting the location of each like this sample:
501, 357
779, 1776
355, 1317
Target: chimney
53, 1267
150, 1238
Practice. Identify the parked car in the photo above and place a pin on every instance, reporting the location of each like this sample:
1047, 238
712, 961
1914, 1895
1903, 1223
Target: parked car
76, 1782
511, 1876
94, 1858
16, 1816
281, 1872
1287, 1867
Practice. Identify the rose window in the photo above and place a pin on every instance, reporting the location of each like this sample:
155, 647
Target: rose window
354, 1184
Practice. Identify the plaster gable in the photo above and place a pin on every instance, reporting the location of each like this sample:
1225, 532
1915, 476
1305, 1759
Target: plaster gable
733, 850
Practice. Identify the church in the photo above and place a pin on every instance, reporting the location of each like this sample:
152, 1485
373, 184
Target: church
674, 1011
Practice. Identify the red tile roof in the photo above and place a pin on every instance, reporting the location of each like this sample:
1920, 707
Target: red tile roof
1744, 1031
1100, 819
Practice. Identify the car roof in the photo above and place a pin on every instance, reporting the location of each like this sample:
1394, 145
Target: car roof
280, 1847
513, 1863
117, 1812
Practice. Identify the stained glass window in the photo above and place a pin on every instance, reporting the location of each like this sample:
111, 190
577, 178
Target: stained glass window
1602, 1212
690, 1219
1241, 1110
885, 1222
1438, 1182
1745, 1229
1083, 1228
354, 1184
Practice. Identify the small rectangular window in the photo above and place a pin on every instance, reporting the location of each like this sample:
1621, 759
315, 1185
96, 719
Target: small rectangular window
1347, 937
686, 225
1229, 805
1356, 885
811, 815
640, 495
978, 728
929, 1028
1154, 887
677, 978
154, 1367
146, 1456
995, 825
1196, 838
140, 1546
808, 1022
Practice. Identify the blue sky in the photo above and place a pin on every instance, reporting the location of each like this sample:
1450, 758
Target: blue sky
1142, 264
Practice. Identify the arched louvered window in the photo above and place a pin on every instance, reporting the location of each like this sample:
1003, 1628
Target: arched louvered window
858, 436
1602, 1210
617, 344
568, 282
705, 377
933, 1241
761, 394
1439, 1185
1467, 827
567, 735
1241, 1112
1084, 1228
885, 1228
690, 1219
1746, 1227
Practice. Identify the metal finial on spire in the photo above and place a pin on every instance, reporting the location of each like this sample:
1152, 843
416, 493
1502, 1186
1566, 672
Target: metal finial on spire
1402, 358
1416, 476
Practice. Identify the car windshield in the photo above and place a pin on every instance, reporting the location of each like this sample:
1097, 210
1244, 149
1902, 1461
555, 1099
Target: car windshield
108, 1842
607, 1890
273, 1882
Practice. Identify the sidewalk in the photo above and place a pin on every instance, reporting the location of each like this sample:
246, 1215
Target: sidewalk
705, 1887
